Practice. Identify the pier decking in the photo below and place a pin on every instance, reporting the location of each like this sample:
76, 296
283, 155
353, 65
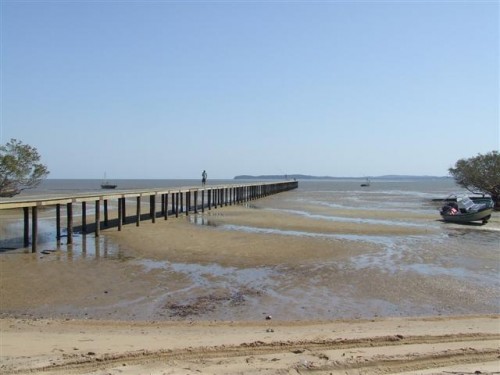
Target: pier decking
180, 200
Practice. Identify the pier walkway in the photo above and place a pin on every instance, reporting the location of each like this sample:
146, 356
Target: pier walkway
180, 200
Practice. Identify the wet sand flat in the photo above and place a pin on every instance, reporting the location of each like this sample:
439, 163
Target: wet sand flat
212, 266
192, 295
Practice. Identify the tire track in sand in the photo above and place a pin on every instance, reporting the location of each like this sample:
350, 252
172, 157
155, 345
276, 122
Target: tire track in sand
374, 355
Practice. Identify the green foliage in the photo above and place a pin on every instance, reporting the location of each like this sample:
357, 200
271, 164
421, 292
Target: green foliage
20, 168
479, 174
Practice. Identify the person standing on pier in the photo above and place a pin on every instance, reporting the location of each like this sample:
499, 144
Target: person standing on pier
204, 178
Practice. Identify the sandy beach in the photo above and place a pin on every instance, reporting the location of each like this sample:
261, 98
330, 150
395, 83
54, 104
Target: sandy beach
127, 304
460, 345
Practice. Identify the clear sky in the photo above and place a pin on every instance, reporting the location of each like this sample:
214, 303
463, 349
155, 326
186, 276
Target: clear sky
165, 89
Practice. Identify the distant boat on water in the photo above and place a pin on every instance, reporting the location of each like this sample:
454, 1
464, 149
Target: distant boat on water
366, 184
106, 184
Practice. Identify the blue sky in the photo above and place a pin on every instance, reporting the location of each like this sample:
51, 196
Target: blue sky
165, 89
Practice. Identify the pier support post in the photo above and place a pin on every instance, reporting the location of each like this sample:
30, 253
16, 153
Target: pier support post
84, 217
203, 201
58, 222
69, 227
124, 211
120, 214
165, 213
176, 204
34, 228
152, 210
106, 223
196, 201
26, 212
173, 203
138, 213
97, 218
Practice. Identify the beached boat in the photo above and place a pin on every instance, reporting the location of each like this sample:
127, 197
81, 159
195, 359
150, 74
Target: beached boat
9, 193
462, 209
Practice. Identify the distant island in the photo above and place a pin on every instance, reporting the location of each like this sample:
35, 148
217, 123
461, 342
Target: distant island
308, 177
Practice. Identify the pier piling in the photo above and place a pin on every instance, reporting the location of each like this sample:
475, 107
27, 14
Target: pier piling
26, 212
34, 228
97, 217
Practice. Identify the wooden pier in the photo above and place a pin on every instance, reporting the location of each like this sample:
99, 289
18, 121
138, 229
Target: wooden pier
163, 203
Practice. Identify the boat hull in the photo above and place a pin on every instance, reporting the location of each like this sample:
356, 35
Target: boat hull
483, 215
9, 193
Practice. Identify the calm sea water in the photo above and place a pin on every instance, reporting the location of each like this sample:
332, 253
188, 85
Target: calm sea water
409, 187
68, 186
